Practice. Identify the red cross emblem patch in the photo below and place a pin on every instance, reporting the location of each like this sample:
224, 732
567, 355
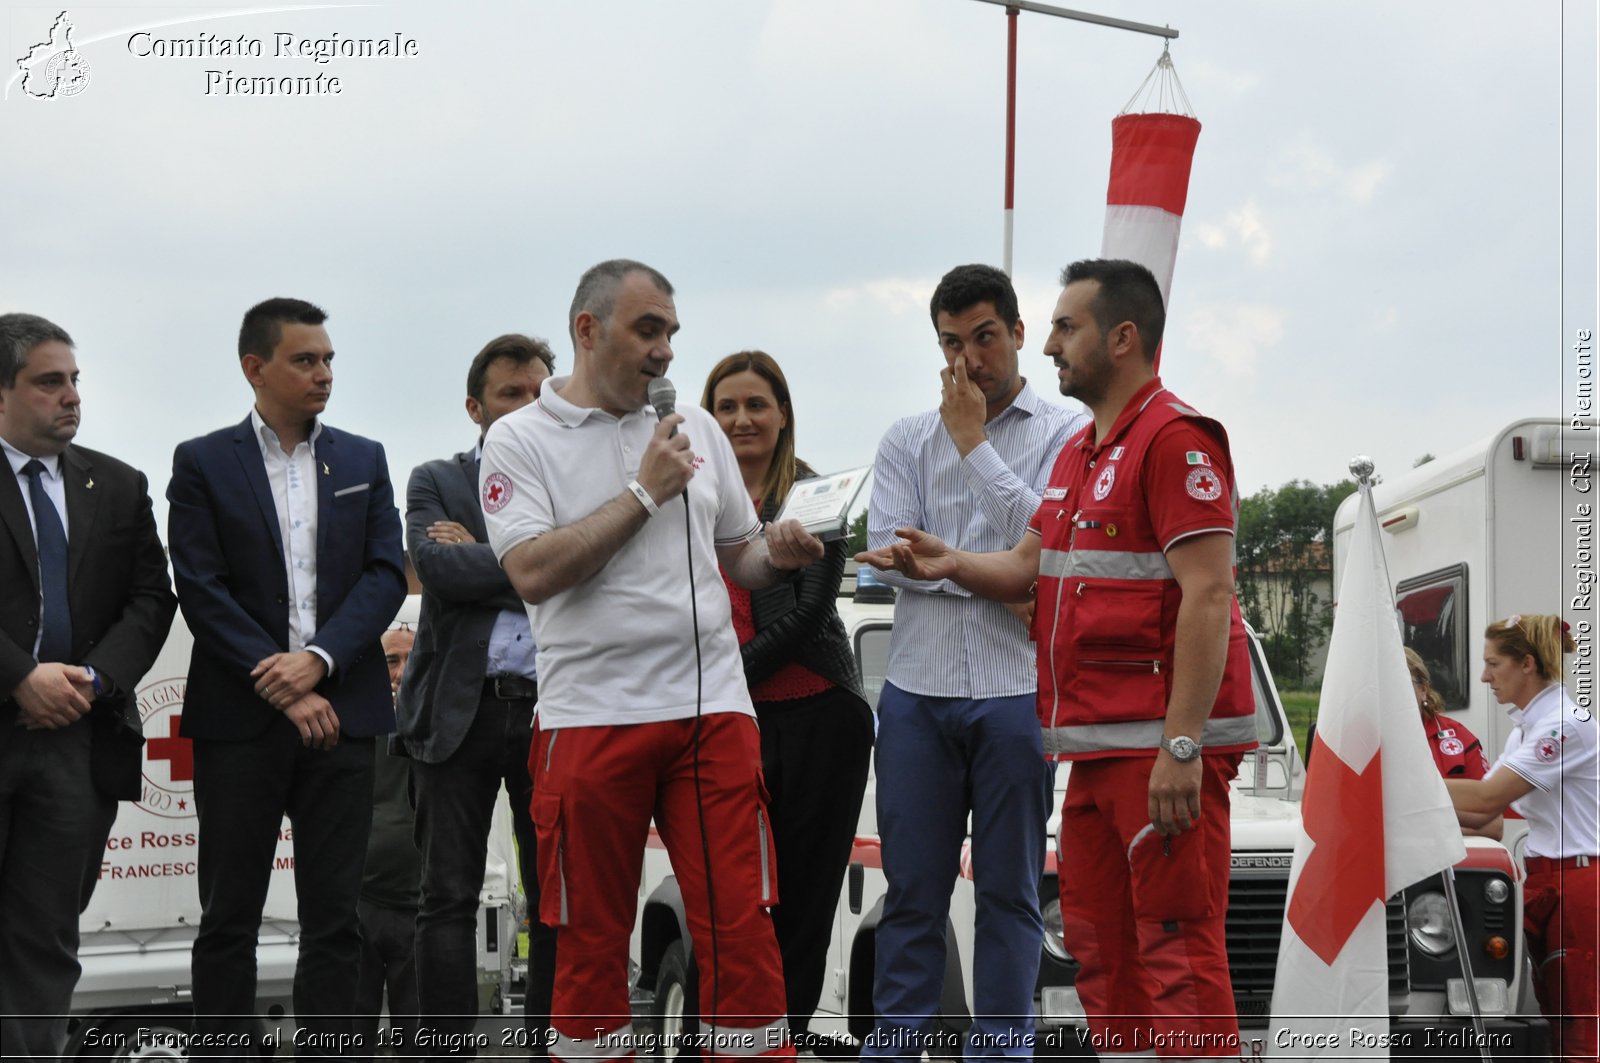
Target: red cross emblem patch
496, 492
1202, 484
1102, 484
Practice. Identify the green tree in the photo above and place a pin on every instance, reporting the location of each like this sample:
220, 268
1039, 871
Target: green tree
858, 532
1284, 548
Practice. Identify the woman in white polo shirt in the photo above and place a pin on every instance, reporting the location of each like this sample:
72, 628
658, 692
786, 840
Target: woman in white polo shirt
1549, 773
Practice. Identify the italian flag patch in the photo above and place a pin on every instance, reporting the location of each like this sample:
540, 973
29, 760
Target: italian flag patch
1195, 457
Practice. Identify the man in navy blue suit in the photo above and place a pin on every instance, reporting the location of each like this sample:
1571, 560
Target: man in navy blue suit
286, 549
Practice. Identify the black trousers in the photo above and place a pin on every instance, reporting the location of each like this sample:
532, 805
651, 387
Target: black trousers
815, 753
455, 803
53, 825
388, 962
242, 791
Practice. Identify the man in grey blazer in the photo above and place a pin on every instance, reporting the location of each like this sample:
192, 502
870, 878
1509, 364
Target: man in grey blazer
466, 706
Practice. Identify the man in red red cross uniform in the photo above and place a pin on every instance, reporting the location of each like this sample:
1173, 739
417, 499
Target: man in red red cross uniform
1144, 672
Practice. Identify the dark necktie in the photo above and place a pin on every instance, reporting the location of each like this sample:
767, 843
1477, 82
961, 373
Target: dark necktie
55, 641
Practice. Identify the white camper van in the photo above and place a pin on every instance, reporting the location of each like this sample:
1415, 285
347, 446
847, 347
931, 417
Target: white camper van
1503, 526
133, 999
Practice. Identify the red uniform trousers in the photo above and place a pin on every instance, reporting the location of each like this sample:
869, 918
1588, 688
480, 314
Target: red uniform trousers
595, 790
1561, 916
1144, 915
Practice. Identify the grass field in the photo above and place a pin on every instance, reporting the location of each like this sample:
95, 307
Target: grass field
1301, 708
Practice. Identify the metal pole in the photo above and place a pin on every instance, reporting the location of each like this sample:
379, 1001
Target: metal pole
1011, 127
1362, 468
1013, 7
1466, 961
1084, 16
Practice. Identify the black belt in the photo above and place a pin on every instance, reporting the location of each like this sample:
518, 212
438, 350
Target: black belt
510, 688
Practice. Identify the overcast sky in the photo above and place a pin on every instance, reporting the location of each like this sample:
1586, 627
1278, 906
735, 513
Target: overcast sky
1380, 252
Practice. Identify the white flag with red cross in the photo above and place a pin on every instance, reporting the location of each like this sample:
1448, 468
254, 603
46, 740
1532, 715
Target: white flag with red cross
1376, 819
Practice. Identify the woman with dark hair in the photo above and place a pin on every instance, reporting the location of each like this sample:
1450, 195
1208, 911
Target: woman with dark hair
816, 728
1550, 773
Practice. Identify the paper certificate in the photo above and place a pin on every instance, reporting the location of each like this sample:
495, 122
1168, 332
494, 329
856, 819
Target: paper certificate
822, 504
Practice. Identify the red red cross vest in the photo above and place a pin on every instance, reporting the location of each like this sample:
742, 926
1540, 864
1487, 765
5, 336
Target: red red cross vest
1456, 750
1107, 604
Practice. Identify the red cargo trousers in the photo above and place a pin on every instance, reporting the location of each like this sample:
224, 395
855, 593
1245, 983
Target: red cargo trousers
595, 790
1144, 915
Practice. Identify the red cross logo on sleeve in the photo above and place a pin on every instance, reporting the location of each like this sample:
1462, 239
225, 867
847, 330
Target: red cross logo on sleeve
1202, 484
496, 492
176, 750
1344, 873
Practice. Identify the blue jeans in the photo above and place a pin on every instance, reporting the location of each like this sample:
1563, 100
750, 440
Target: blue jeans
938, 759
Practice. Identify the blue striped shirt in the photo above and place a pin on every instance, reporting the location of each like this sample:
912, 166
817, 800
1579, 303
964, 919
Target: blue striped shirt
946, 642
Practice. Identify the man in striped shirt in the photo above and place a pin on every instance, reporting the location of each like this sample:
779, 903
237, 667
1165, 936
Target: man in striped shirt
957, 727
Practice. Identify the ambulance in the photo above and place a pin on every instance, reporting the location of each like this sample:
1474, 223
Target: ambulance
133, 998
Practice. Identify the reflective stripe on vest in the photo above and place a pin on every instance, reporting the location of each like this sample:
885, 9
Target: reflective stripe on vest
1103, 564
747, 1040
1142, 734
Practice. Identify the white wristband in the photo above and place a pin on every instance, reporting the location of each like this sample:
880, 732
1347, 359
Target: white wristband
644, 498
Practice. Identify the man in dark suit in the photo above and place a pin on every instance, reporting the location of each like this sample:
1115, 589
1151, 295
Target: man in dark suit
85, 607
466, 705
286, 550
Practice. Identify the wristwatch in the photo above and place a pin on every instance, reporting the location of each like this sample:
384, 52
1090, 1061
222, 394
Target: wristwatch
1183, 749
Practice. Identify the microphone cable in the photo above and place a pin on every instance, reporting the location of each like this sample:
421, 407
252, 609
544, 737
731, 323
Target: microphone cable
663, 397
699, 798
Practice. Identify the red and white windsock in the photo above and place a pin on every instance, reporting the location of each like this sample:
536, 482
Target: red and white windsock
1150, 159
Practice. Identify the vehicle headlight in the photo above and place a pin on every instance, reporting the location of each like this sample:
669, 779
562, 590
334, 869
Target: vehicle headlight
1053, 929
1428, 919
1496, 890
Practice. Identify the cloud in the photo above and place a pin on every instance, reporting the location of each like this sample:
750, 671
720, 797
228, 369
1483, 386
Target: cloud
1221, 78
1308, 165
1234, 336
1243, 226
897, 295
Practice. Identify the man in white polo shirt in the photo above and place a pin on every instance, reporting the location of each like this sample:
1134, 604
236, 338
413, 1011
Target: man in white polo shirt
611, 522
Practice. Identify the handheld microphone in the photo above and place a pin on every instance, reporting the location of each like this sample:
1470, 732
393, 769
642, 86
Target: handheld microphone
664, 397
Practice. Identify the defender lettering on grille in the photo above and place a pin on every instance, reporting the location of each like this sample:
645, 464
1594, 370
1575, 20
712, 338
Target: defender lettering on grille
1275, 861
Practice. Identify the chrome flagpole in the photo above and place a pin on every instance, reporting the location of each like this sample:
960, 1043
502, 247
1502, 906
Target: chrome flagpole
1456, 926
1362, 469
